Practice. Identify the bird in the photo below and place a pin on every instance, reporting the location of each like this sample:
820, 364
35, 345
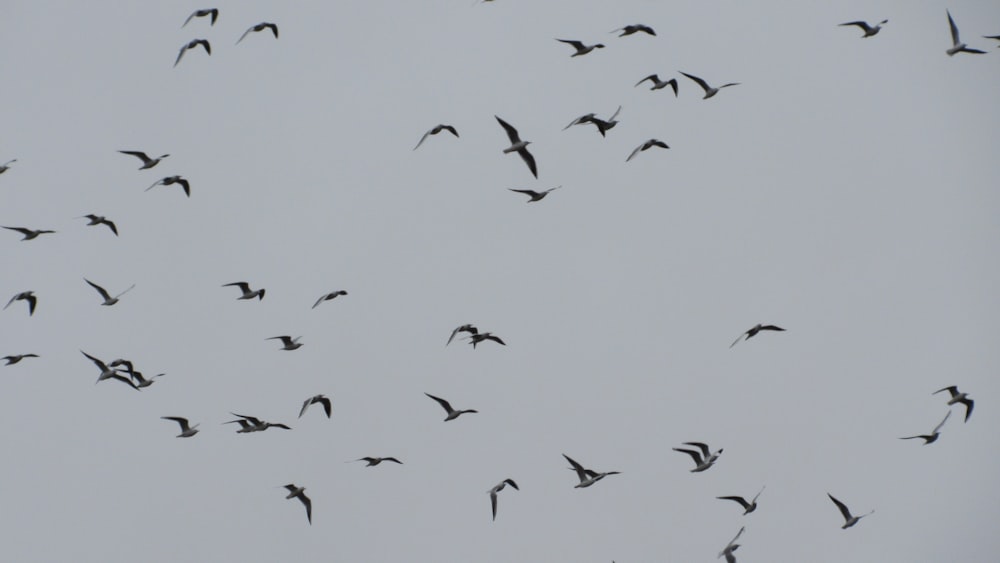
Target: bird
254, 424
731, 547
702, 460
957, 45
464, 328
6, 166
173, 180
214, 12
321, 399
477, 338
869, 30
108, 300
100, 220
602, 125
146, 161
849, 520
754, 330
535, 196
29, 233
452, 413
191, 45
329, 296
373, 461
646, 146
587, 476
245, 288
957, 397
260, 27
186, 431
499, 487
748, 507
997, 37
299, 493
11, 360
658, 84
289, 343
434, 131
634, 28
140, 381
933, 436
518, 146
581, 49
709, 90
108, 372
28, 296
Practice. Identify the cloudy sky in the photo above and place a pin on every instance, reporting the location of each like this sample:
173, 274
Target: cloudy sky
846, 190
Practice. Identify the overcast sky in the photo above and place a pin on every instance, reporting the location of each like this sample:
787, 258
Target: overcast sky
846, 190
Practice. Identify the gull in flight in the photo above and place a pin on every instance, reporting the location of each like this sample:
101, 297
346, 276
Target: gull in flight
452, 413
709, 90
753, 332
254, 424
581, 49
587, 476
321, 399
173, 180
28, 296
518, 146
933, 436
146, 161
634, 28
646, 146
108, 300
136, 376
108, 373
748, 507
464, 328
259, 27
245, 288
373, 461
11, 360
186, 431
100, 220
731, 547
601, 124
957, 397
535, 196
658, 84
299, 493
957, 45
329, 296
434, 131
6, 166
849, 520
29, 233
869, 30
289, 343
477, 338
702, 460
214, 12
499, 487
191, 45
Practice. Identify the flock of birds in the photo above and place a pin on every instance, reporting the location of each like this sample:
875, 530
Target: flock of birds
123, 370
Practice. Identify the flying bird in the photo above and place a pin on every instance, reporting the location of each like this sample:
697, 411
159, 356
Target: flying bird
11, 360
373, 461
634, 28
108, 372
748, 507
191, 45
753, 332
214, 12
434, 131
29, 233
587, 476
329, 296
702, 460
247, 293
957, 45
452, 413
6, 166
518, 146
499, 487
28, 296
173, 180
464, 328
709, 90
849, 520
259, 27
658, 84
868, 29
254, 424
141, 381
646, 146
480, 337
956, 397
299, 493
731, 547
581, 49
100, 220
321, 399
535, 196
602, 125
289, 343
146, 161
108, 300
933, 436
186, 430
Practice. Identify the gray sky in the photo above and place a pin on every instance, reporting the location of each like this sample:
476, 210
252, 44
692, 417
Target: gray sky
846, 190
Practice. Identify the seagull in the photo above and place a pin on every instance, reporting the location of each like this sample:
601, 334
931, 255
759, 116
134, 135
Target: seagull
173, 180
933, 436
635, 28
581, 49
108, 300
245, 426
589, 118
731, 547
214, 12
28, 296
452, 413
329, 296
29, 233
260, 27
247, 294
142, 381
100, 220
477, 338
957, 45
956, 397
849, 520
645, 146
658, 84
146, 161
321, 399
464, 328
108, 373
186, 431
602, 125
11, 360
587, 476
753, 332
709, 90
289, 343
535, 196
298, 492
191, 45
499, 487
518, 146
254, 424
702, 460
373, 461
748, 507
6, 166
434, 131
869, 30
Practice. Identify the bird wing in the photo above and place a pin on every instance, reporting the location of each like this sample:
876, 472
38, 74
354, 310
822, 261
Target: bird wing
511, 483
327, 405
139, 154
99, 289
511, 132
493, 501
738, 339
843, 508
953, 390
673, 84
495, 339
740, 500
111, 226
307, 501
215, 14
700, 82
450, 129
635, 152
532, 193
21, 230
392, 459
244, 35
969, 403
580, 471
938, 427
427, 134
274, 29
453, 333
529, 160
615, 114
179, 56
702, 446
576, 44
305, 406
771, 327
694, 455
861, 24
655, 78
954, 29
244, 286
97, 362
126, 291
179, 420
444, 404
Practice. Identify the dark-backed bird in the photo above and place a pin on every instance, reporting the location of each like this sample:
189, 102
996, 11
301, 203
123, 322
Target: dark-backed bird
602, 125
108, 372
434, 131
658, 84
29, 297
753, 332
849, 519
732, 546
247, 292
186, 430
254, 424
100, 220
29, 233
191, 45
957, 397
703, 459
108, 299
214, 12
933, 436
581, 49
452, 413
646, 146
299, 493
535, 196
464, 328
173, 180
499, 487
373, 461
483, 336
634, 28
321, 399
957, 45
518, 146
868, 29
748, 507
146, 161
259, 27
11, 360
329, 296
587, 476
709, 90
288, 342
